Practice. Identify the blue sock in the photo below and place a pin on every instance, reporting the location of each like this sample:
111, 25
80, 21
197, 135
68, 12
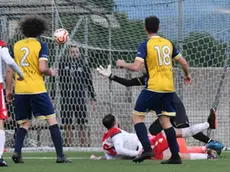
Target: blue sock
172, 142
20, 136
142, 134
57, 139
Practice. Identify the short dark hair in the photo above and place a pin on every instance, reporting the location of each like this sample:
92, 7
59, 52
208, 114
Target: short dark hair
33, 26
152, 24
109, 121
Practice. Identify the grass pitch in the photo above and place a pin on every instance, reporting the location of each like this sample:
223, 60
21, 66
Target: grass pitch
45, 162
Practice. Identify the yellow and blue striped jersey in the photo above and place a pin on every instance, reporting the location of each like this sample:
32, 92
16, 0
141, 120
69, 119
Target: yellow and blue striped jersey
157, 54
27, 53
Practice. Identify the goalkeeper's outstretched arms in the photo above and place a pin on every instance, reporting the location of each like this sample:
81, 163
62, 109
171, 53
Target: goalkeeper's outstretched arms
126, 82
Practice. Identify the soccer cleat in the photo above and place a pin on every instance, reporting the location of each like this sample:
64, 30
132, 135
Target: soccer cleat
3, 163
211, 154
143, 156
215, 145
17, 158
63, 160
172, 161
212, 119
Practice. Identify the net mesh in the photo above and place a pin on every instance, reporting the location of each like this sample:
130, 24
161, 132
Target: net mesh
105, 30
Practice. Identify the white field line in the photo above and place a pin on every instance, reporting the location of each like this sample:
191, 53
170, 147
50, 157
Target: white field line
41, 158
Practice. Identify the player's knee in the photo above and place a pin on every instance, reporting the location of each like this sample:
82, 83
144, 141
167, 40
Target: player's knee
26, 125
165, 122
138, 118
52, 121
155, 128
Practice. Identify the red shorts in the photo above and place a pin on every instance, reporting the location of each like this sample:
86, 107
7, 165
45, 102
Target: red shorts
159, 145
3, 110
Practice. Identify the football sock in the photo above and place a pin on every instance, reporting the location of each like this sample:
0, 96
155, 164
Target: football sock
196, 149
194, 156
202, 137
2, 142
192, 130
57, 139
142, 134
172, 142
20, 136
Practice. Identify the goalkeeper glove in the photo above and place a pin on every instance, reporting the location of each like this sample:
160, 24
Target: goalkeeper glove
105, 72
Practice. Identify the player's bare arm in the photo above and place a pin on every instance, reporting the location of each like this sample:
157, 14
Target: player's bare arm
9, 82
44, 69
185, 67
135, 66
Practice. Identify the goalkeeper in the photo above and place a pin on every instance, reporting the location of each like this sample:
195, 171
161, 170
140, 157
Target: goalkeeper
181, 119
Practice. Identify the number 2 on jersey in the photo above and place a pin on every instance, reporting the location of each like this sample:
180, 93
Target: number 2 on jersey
166, 55
26, 53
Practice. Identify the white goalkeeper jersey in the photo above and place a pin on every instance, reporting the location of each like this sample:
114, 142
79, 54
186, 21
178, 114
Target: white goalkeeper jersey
118, 143
6, 57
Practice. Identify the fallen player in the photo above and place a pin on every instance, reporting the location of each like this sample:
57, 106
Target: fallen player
119, 144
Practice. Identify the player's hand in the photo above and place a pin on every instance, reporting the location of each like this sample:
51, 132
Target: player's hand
120, 63
187, 80
9, 96
53, 72
105, 72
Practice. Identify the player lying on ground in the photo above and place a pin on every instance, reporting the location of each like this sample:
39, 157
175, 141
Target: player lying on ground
5, 56
120, 144
181, 119
31, 96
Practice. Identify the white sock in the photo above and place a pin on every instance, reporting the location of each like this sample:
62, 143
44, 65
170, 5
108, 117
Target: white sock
194, 156
194, 129
2, 142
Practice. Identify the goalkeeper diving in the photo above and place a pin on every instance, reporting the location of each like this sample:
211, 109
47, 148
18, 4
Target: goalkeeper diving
180, 121
119, 144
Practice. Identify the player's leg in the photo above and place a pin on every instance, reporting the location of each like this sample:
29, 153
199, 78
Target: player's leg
43, 109
2, 143
168, 110
3, 116
140, 128
23, 114
181, 121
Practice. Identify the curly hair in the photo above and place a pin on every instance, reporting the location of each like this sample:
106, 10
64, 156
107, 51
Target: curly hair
33, 26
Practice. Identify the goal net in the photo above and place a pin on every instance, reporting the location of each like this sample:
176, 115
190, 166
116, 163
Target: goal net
102, 31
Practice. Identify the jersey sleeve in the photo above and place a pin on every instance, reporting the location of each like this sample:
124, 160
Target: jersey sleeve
142, 52
43, 54
176, 54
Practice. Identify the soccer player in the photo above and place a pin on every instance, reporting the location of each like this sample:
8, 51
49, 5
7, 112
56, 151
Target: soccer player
31, 95
118, 143
181, 119
157, 54
5, 56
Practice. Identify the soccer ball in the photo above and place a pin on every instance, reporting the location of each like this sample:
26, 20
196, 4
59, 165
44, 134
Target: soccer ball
61, 36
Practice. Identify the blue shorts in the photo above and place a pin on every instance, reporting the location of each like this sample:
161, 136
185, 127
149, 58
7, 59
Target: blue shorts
38, 105
160, 103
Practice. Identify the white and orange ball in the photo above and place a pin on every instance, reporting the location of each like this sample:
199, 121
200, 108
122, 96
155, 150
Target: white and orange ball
61, 36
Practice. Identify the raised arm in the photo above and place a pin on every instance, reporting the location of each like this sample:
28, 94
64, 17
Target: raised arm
126, 82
